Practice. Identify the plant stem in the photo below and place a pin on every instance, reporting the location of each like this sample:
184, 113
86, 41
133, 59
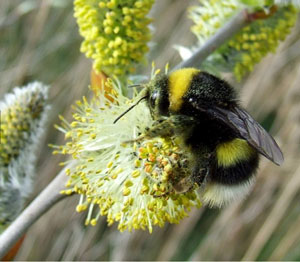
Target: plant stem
237, 22
40, 205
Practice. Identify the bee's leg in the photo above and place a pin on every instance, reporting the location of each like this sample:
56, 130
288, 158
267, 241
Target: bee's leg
184, 185
169, 126
202, 169
199, 175
166, 127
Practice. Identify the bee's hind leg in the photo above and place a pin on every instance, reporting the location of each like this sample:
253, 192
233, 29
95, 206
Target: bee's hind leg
184, 185
202, 170
199, 177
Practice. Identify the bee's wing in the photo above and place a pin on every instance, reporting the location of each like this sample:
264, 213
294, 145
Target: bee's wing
241, 122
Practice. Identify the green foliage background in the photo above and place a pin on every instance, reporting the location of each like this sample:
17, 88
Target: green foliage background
39, 40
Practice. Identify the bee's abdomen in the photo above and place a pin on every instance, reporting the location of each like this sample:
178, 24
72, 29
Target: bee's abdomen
236, 162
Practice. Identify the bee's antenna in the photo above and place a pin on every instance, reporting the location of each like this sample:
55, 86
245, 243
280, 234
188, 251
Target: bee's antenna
144, 97
134, 85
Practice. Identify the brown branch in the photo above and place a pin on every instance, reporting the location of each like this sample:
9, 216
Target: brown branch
240, 20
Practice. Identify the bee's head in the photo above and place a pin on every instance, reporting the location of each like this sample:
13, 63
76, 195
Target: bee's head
157, 96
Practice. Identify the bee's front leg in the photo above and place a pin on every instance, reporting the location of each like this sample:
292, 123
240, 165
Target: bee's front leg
166, 127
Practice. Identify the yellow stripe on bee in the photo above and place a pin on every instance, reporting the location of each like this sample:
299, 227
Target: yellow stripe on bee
179, 83
230, 153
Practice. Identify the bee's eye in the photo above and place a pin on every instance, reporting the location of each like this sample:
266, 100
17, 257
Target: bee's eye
153, 98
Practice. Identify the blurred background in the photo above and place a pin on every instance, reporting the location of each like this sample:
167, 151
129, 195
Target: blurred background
39, 40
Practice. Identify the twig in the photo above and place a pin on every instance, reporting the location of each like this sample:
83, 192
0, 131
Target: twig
40, 205
240, 20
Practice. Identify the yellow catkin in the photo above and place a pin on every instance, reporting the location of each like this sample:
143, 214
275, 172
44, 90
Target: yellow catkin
252, 43
115, 181
112, 38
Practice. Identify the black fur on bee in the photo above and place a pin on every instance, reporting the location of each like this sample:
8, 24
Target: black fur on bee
223, 139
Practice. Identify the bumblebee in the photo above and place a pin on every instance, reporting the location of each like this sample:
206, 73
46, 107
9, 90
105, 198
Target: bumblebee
224, 140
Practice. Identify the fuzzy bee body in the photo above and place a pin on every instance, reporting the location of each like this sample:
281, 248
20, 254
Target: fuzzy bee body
225, 141
222, 138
